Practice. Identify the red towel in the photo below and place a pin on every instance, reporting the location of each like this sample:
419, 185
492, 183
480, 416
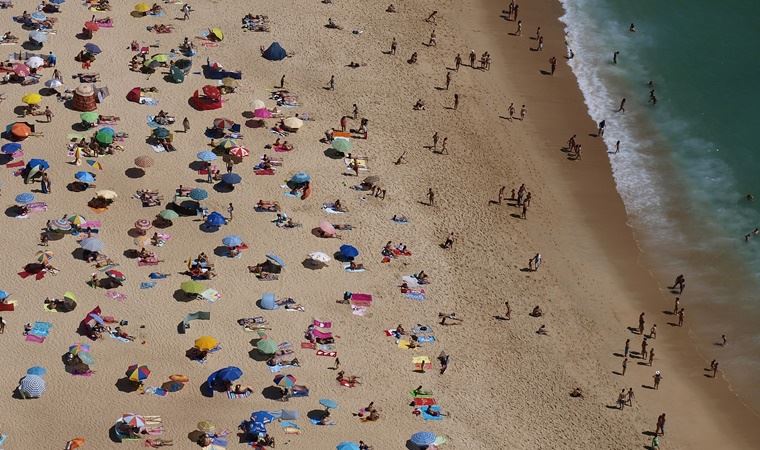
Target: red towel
264, 171
320, 324
424, 401
329, 354
309, 345
7, 306
12, 165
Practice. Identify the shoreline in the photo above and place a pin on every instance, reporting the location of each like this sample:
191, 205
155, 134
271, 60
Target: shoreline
721, 416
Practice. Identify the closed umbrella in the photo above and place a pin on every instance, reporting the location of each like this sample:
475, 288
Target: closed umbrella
319, 257
423, 438
232, 241
328, 403
32, 385
206, 156
53, 83
32, 98
293, 123
84, 177
206, 343
285, 380
92, 244
133, 420
198, 194
223, 123
192, 287
10, 148
35, 62
89, 117
258, 104
106, 194
137, 373
168, 214
300, 177
143, 161
92, 48
267, 346
143, 224
239, 152
342, 145
215, 219
231, 178
24, 198
36, 370
349, 251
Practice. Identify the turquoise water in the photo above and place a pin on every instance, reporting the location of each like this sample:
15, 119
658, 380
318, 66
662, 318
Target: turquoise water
686, 163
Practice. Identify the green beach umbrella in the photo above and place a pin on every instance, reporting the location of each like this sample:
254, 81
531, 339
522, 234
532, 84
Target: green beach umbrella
104, 137
342, 145
168, 214
267, 346
192, 287
89, 117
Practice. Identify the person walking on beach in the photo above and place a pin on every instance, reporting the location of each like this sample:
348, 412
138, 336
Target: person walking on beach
680, 316
723, 340
449, 241
448, 79
676, 305
622, 106
537, 262
644, 344
540, 44
48, 114
501, 194
45, 183
600, 131
538, 33
186, 11
457, 62
660, 431
282, 82
651, 357
524, 212
443, 358
356, 111
444, 148
185, 125
393, 46
625, 366
553, 64
519, 28
523, 112
456, 101
641, 323
435, 141
331, 84
680, 283
511, 111
614, 57
432, 40
617, 146
508, 311
230, 209
431, 197
2, 325
230, 166
629, 397
627, 347
473, 55
621, 400
714, 367
653, 332
657, 378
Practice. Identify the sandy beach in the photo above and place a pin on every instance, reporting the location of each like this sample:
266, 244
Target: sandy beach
506, 386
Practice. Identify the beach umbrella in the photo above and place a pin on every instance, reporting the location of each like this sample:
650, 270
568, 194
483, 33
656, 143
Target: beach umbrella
267, 346
91, 26
95, 165
226, 143
85, 177
228, 374
35, 62
137, 373
347, 445
168, 214
79, 348
239, 152
106, 194
151, 64
78, 441
38, 36
57, 2
161, 133
143, 161
276, 260
104, 137
36, 370
143, 224
231, 178
232, 241
328, 403
177, 75
217, 33
133, 420
142, 7
53, 83
372, 179
43, 256
230, 82
92, 48
206, 343
77, 220
326, 227
160, 57
423, 438
293, 123
342, 145
262, 417
206, 156
319, 257
21, 130
215, 219
258, 104
59, 225
89, 117
172, 386
206, 426
39, 16
21, 70
116, 275
107, 130
198, 194
86, 358
223, 123
300, 178
212, 92
10, 148
24, 198
192, 287
142, 241
32, 98
92, 244
4, 295
32, 385
262, 113
349, 251
285, 380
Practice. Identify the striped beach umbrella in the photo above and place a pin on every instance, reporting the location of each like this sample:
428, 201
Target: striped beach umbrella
143, 224
79, 348
133, 420
287, 381
239, 152
32, 385
137, 373
77, 220
92, 244
59, 225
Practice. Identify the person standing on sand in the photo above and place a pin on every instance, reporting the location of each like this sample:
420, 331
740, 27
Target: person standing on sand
519, 28
625, 366
501, 194
660, 425
622, 106
714, 367
523, 112
653, 332
282, 82
651, 357
511, 111
517, 7
356, 111
2, 325
553, 64
456, 101
393, 46
449, 242
680, 316
600, 131
230, 166
644, 344
432, 41
331, 84
508, 312
641, 323
185, 125
629, 397
723, 339
524, 213
48, 114
457, 62
540, 44
435, 141
621, 400
230, 210
448, 79
538, 33
614, 57
617, 146
431, 197
473, 55
627, 347
657, 378
444, 149
676, 305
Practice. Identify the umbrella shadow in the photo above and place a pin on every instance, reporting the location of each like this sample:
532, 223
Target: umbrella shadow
161, 223
333, 154
134, 172
223, 187
131, 253
126, 385
317, 414
80, 254
272, 393
255, 123
182, 297
221, 251
206, 228
257, 356
134, 232
13, 211
310, 264
19, 110
195, 435
79, 127
339, 257
5, 159
196, 165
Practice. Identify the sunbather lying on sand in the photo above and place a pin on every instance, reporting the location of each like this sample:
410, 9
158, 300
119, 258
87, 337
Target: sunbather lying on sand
268, 205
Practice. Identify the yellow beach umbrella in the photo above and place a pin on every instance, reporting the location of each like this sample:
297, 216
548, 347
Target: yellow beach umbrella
206, 343
142, 7
32, 98
106, 194
217, 32
160, 57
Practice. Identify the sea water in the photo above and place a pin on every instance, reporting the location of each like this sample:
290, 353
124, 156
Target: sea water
686, 163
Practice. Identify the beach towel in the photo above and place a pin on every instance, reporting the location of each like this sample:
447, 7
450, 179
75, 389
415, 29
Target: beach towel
37, 206
420, 394
309, 345
210, 295
147, 284
359, 310
290, 427
107, 267
326, 347
157, 391
320, 324
118, 296
93, 225
404, 343
263, 171
35, 339
148, 101
321, 334
331, 210
13, 165
158, 148
280, 367
119, 338
415, 295
427, 416
41, 329
328, 354
317, 422
233, 396
425, 338
424, 401
410, 281
347, 268
8, 306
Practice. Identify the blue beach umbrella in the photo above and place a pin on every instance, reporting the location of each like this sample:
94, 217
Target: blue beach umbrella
32, 385
206, 156
24, 198
276, 259
347, 445
268, 301
161, 133
300, 177
92, 244
256, 428
228, 374
57, 2
349, 251
39, 16
198, 194
38, 36
36, 370
4, 295
84, 177
107, 130
86, 358
10, 148
215, 219
328, 403
40, 164
423, 438
232, 241
91, 48
231, 178
261, 417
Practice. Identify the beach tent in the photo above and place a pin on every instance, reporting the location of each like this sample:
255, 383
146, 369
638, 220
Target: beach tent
84, 98
134, 95
275, 52
208, 98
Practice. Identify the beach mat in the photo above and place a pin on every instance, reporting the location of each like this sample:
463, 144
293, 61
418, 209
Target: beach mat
233, 396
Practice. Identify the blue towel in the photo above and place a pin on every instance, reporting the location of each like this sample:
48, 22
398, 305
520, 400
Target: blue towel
289, 424
41, 329
427, 416
419, 296
147, 284
429, 338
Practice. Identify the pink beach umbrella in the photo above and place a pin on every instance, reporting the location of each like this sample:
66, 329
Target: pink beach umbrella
262, 113
143, 225
327, 228
239, 152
